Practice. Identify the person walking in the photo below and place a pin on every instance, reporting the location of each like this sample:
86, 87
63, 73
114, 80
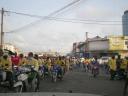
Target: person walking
112, 66
118, 67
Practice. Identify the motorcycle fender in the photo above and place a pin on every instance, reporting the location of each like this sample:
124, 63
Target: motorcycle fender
19, 83
22, 77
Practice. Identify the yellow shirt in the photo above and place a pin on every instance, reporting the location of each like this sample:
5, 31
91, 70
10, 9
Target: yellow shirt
33, 62
112, 64
22, 61
39, 61
124, 64
60, 62
6, 64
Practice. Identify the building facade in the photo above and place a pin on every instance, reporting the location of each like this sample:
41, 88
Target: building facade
10, 47
108, 46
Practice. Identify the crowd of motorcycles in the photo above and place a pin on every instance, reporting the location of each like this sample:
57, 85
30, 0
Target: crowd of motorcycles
27, 79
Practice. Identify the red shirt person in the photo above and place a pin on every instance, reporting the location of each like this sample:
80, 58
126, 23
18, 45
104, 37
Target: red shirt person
15, 60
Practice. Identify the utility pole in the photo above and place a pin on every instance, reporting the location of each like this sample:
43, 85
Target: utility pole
2, 33
86, 45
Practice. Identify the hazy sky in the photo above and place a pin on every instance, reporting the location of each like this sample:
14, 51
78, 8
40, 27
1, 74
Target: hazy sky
58, 35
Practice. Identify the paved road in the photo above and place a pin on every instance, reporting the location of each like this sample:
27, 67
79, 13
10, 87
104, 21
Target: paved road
81, 82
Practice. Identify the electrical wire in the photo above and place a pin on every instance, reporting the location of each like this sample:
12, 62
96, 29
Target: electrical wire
44, 18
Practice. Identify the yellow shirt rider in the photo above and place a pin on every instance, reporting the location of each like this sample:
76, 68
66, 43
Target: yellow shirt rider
6, 63
32, 61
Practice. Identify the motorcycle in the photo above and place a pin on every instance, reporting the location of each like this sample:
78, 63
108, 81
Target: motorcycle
95, 71
54, 72
33, 78
11, 80
60, 72
43, 71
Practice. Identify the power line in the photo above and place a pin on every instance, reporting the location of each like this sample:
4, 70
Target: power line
37, 16
43, 18
81, 22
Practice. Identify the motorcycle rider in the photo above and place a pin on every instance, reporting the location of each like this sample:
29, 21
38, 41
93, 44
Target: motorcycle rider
37, 58
22, 60
32, 61
112, 66
95, 65
7, 67
61, 65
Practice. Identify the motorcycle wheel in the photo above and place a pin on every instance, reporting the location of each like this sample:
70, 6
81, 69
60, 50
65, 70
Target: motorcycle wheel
54, 78
34, 84
18, 89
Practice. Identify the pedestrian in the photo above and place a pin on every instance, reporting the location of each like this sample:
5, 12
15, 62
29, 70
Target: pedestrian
112, 66
123, 67
126, 81
118, 69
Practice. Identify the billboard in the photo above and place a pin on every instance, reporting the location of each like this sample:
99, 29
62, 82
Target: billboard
116, 43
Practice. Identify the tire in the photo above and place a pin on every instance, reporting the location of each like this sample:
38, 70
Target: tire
95, 73
54, 77
25, 86
18, 89
35, 84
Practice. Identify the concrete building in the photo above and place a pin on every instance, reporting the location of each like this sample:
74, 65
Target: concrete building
78, 49
10, 47
108, 46
125, 23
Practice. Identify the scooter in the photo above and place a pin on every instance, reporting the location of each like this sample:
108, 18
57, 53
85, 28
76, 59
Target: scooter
33, 78
13, 81
60, 73
54, 72
95, 71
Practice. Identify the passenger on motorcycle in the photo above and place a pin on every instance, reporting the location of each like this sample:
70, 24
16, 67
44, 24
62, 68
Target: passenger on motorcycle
15, 60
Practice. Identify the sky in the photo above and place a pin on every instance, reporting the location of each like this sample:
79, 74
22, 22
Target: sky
57, 35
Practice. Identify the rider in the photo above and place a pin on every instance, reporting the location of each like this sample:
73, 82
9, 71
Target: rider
38, 59
32, 61
15, 60
95, 63
61, 63
7, 67
22, 60
112, 66
48, 64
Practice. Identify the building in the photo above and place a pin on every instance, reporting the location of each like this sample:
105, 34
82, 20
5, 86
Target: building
107, 46
10, 47
125, 23
78, 49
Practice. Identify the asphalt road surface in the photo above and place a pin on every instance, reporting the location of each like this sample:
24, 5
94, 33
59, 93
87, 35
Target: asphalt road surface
82, 82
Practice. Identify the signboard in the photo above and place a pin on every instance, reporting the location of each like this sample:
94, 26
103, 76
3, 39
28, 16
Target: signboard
116, 43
